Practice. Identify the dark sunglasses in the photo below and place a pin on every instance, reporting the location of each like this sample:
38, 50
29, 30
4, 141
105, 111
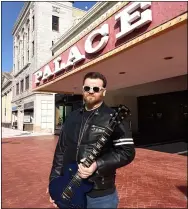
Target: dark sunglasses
95, 89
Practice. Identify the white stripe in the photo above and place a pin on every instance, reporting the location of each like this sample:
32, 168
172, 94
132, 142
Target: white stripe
123, 143
122, 140
183, 152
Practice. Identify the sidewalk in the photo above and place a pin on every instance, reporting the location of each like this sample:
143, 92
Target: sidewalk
10, 133
154, 179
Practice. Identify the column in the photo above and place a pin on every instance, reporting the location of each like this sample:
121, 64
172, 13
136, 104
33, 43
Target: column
30, 35
25, 48
15, 57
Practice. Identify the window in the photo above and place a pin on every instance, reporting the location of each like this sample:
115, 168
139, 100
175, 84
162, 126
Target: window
21, 86
55, 23
17, 88
52, 51
19, 48
23, 41
18, 65
33, 22
27, 83
46, 114
33, 48
28, 55
28, 35
23, 61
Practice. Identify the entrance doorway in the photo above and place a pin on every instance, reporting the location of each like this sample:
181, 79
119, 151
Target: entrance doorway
163, 117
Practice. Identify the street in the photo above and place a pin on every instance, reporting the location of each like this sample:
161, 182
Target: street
154, 179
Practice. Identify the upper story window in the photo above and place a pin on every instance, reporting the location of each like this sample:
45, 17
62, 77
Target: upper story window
18, 65
52, 51
55, 23
28, 55
33, 20
28, 34
21, 86
17, 88
27, 82
33, 48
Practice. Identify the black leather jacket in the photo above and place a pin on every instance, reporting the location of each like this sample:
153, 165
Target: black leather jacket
75, 142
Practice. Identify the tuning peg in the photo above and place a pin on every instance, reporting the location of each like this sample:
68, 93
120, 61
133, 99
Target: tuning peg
116, 113
119, 122
122, 118
111, 114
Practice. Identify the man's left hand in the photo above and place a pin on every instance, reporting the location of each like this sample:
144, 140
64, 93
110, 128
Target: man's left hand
85, 172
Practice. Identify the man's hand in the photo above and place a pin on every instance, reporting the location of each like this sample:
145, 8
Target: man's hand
52, 201
86, 172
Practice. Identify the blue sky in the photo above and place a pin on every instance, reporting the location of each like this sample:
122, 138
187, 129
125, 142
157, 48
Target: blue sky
10, 11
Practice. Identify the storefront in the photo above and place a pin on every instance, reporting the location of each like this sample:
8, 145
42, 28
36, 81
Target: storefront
14, 117
64, 104
28, 116
139, 46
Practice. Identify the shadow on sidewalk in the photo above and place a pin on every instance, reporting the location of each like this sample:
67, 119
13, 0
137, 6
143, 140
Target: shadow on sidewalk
183, 189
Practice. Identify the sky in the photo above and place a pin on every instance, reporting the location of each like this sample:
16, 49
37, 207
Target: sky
10, 11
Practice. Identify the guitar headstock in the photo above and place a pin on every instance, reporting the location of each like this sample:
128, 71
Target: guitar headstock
119, 114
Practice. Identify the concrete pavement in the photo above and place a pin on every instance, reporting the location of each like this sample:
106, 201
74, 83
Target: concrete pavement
154, 179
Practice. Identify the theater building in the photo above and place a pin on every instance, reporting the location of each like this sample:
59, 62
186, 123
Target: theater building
141, 48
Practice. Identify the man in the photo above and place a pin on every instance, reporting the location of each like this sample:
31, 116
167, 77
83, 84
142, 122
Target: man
81, 131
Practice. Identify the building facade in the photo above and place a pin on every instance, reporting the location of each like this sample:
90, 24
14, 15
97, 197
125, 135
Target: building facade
141, 49
6, 98
38, 27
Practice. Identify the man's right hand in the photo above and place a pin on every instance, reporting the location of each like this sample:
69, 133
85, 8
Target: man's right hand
52, 201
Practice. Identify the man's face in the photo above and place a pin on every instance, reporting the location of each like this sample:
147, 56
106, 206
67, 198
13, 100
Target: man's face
90, 96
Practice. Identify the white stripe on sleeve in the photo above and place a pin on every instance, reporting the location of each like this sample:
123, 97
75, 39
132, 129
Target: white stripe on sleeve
123, 141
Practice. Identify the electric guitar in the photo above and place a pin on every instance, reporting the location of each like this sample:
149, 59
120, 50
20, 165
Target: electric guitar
69, 190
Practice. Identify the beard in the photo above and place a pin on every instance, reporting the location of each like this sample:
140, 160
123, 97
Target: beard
91, 100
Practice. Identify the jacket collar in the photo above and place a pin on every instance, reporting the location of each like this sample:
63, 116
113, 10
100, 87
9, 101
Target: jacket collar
98, 111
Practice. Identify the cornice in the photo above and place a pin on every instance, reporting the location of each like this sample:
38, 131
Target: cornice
21, 16
7, 84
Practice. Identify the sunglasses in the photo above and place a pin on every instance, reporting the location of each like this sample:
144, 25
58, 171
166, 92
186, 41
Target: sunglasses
95, 89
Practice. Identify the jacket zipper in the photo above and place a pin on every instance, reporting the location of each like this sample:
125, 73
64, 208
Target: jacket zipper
81, 135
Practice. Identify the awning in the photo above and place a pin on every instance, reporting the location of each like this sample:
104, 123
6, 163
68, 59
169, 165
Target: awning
14, 109
29, 105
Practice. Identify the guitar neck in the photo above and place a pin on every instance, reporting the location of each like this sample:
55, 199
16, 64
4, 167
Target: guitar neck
97, 148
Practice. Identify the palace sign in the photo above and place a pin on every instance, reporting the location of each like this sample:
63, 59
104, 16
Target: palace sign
131, 17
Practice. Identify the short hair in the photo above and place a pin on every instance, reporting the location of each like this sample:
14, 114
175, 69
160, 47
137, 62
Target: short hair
95, 75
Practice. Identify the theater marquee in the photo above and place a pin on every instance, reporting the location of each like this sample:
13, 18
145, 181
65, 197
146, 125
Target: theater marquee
103, 39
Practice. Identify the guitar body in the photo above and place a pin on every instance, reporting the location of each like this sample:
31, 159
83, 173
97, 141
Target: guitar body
57, 187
